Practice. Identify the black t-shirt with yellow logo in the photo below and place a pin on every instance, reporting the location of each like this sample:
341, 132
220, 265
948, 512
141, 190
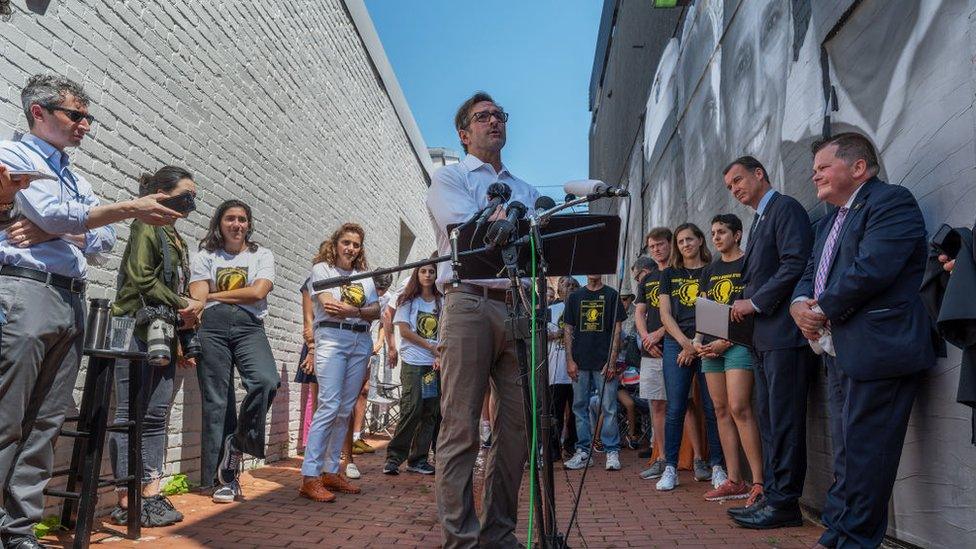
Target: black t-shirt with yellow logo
592, 316
722, 282
682, 285
649, 292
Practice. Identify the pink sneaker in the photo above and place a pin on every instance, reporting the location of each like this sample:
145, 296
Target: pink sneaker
728, 490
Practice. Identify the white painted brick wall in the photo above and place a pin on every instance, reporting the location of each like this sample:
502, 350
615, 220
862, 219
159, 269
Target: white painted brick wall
274, 102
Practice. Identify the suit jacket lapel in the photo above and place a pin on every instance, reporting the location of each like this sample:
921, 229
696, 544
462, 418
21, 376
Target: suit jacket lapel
761, 225
854, 212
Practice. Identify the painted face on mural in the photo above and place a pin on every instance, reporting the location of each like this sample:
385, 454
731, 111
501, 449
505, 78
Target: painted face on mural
755, 66
701, 126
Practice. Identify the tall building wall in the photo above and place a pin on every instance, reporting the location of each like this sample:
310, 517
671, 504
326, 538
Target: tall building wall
285, 105
748, 77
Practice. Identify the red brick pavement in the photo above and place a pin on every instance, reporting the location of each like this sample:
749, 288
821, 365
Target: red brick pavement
617, 510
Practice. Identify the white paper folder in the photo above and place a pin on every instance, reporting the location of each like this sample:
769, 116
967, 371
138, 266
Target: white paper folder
715, 319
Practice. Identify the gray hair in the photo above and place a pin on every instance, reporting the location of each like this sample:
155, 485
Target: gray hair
49, 90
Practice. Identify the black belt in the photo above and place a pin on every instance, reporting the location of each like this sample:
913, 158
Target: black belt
494, 294
344, 326
73, 285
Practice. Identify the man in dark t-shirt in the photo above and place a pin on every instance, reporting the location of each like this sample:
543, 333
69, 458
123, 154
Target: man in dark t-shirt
591, 322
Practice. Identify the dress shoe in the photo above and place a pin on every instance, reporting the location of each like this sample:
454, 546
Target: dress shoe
22, 542
768, 517
736, 512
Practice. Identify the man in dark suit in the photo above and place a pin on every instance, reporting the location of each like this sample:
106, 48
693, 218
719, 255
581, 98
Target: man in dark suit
867, 265
779, 246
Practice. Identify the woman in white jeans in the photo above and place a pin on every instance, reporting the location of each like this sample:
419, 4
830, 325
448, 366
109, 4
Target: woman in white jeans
342, 349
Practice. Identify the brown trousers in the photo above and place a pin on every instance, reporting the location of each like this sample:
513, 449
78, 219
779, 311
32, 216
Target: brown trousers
477, 348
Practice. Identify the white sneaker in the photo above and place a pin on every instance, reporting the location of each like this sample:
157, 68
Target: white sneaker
579, 460
668, 480
613, 461
718, 476
352, 471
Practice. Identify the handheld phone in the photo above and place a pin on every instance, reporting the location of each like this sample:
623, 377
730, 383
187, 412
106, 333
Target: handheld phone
947, 241
183, 203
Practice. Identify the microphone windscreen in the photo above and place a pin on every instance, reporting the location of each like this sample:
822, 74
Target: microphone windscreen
544, 203
499, 189
583, 187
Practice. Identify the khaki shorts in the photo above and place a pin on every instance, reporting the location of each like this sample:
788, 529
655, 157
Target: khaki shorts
652, 379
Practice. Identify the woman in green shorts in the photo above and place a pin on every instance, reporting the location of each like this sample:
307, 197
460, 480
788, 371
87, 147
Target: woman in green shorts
728, 367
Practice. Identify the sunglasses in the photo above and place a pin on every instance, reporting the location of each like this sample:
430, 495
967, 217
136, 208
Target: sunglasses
73, 115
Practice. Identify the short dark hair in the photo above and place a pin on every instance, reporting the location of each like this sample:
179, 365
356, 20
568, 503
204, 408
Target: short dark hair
49, 90
750, 163
851, 147
658, 233
643, 262
461, 119
731, 221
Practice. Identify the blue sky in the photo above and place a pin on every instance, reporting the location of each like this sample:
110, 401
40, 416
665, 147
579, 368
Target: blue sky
534, 56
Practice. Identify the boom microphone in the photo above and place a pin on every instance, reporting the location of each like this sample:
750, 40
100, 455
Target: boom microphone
594, 188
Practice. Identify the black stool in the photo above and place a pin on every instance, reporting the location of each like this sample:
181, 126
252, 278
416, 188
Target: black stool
84, 478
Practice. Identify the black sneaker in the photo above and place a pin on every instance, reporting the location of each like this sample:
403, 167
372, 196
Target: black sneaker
422, 468
119, 516
391, 468
157, 511
230, 462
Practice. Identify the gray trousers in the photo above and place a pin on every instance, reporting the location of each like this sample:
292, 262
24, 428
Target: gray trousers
477, 349
231, 337
40, 350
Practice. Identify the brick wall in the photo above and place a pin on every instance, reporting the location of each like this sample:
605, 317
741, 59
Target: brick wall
277, 103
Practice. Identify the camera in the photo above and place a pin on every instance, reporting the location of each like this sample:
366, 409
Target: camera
189, 341
159, 338
947, 241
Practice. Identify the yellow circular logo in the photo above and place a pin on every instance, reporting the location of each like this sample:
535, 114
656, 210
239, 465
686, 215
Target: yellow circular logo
231, 278
722, 290
688, 292
651, 295
354, 295
427, 325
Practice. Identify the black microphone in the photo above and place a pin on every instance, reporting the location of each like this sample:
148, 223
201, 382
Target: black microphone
544, 203
498, 194
502, 230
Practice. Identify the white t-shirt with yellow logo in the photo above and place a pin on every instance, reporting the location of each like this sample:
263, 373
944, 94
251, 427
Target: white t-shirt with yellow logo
423, 319
358, 294
227, 271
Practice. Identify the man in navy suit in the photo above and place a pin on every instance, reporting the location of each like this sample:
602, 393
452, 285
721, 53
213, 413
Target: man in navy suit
779, 247
866, 269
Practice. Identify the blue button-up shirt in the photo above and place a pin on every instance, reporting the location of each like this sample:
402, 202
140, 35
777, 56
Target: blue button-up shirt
58, 207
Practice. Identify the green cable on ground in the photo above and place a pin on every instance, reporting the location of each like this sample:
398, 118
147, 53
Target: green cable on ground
532, 384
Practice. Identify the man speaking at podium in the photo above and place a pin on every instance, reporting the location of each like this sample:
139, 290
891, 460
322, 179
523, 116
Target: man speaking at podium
475, 347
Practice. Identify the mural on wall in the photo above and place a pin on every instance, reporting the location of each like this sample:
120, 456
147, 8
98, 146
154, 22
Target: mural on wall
744, 77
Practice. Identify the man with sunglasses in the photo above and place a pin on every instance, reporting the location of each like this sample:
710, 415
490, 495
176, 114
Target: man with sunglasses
47, 227
476, 347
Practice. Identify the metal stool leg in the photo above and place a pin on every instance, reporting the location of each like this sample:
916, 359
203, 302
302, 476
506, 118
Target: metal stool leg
134, 524
96, 423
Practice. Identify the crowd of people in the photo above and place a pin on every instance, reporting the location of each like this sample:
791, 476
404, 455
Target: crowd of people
844, 289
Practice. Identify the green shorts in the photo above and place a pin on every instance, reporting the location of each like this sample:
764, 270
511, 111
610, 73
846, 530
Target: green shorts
737, 357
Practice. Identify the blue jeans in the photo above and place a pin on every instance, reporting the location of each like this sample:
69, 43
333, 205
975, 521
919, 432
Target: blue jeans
677, 384
587, 383
340, 366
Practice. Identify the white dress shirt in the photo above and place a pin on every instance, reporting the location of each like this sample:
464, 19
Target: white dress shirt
460, 190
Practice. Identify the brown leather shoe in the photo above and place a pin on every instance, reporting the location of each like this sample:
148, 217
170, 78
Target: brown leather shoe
336, 483
313, 489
